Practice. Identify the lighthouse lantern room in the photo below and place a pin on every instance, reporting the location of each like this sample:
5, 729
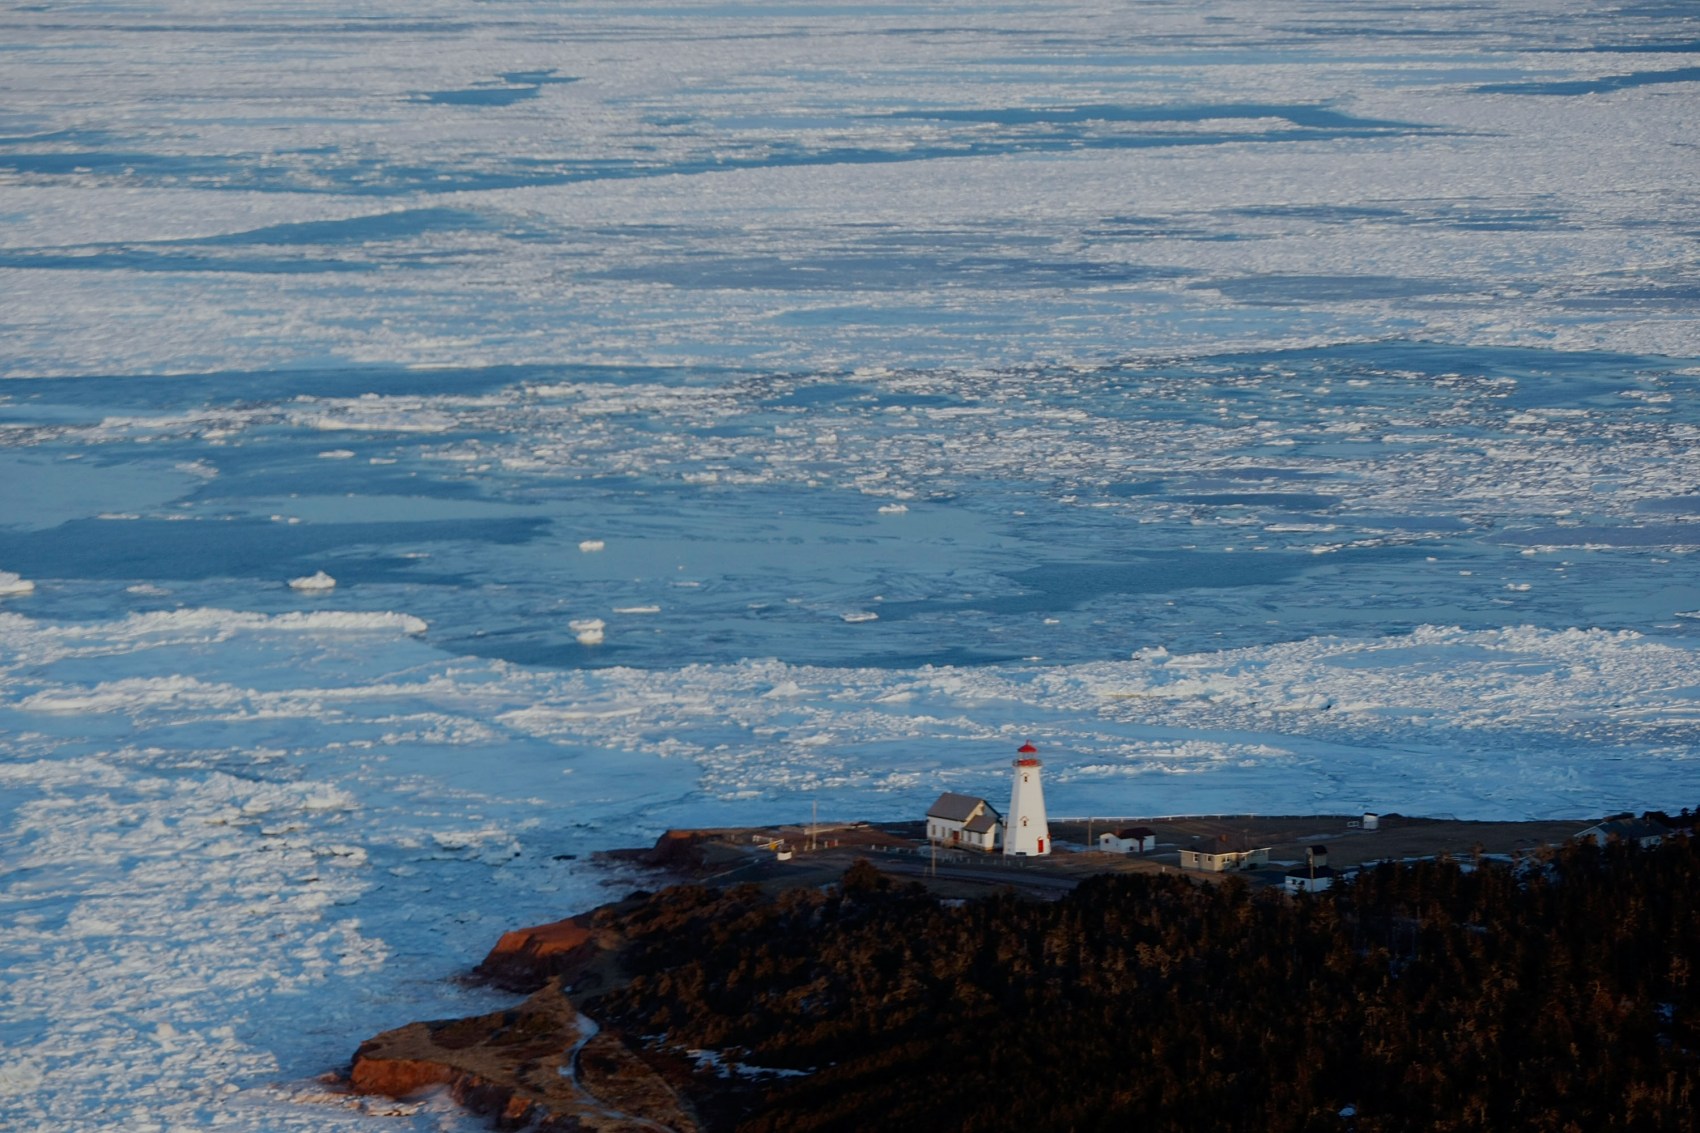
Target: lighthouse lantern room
1025, 831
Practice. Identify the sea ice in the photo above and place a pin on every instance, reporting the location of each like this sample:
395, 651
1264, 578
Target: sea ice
1094, 292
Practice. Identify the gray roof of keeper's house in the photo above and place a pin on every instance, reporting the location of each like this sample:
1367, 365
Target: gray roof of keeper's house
984, 822
1219, 850
1628, 828
953, 807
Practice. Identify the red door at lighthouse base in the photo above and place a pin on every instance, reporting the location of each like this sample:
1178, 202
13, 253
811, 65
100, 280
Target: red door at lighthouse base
1041, 845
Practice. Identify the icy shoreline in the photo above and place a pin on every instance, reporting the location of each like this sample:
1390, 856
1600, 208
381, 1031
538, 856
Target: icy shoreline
181, 901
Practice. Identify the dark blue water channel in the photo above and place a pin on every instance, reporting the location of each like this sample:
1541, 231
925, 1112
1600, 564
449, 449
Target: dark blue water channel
1252, 544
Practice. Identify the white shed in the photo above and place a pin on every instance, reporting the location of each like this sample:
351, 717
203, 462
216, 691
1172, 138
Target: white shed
1314, 876
1130, 840
1305, 879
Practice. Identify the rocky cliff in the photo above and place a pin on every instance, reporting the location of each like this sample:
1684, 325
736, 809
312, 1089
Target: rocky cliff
541, 1065
568, 951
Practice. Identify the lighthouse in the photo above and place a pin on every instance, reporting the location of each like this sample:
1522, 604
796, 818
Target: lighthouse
1025, 833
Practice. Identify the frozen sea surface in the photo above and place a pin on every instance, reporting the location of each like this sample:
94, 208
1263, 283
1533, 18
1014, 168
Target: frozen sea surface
707, 410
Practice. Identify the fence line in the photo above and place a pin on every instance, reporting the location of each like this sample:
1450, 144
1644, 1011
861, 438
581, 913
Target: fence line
1097, 818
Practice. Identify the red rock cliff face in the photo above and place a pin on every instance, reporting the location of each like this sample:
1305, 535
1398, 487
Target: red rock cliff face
376, 1072
527, 958
409, 1059
580, 951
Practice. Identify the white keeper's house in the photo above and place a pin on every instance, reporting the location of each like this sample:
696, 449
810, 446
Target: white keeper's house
1640, 831
963, 821
1214, 857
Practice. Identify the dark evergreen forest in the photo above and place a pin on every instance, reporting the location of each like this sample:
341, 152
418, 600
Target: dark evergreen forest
1556, 994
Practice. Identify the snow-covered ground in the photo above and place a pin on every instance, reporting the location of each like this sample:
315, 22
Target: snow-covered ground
440, 441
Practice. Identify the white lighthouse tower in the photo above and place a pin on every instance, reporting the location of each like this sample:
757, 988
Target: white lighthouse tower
1025, 833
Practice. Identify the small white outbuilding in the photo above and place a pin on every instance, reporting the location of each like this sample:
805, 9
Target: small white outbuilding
1314, 876
1129, 840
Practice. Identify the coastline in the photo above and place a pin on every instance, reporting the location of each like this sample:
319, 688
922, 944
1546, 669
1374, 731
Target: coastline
545, 1063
